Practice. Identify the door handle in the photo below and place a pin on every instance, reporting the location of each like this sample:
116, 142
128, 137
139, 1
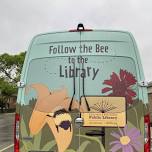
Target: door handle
96, 133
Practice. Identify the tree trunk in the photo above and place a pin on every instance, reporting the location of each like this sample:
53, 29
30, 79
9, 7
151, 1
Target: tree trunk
2, 107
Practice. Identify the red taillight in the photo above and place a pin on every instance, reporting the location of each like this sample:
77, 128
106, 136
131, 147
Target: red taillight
16, 133
85, 30
147, 133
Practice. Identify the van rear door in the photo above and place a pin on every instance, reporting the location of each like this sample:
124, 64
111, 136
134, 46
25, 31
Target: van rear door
115, 120
50, 99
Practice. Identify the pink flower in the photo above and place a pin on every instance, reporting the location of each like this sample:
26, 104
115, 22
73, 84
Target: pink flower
120, 85
127, 140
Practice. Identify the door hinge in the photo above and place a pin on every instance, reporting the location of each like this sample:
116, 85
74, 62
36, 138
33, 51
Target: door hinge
27, 138
20, 84
143, 84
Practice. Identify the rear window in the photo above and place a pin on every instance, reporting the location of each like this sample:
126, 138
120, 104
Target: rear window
85, 75
116, 76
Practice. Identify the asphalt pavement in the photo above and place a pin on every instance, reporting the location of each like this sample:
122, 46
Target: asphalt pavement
6, 132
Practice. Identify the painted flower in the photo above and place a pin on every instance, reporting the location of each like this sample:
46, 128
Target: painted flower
127, 140
120, 85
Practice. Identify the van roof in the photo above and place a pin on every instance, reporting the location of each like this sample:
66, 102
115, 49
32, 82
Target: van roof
106, 35
96, 30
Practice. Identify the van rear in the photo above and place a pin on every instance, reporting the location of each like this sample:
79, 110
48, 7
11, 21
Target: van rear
82, 90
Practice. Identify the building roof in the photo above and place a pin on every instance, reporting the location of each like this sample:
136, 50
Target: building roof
150, 84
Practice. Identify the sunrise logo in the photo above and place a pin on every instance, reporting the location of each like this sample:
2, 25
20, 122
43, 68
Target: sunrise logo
103, 106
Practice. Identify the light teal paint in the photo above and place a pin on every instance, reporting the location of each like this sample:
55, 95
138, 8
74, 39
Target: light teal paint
120, 44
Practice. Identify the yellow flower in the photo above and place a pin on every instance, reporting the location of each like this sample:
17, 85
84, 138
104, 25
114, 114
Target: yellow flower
125, 140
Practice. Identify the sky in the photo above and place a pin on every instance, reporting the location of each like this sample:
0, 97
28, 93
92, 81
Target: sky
20, 20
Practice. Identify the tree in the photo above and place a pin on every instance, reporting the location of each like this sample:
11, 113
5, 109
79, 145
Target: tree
7, 90
10, 71
10, 66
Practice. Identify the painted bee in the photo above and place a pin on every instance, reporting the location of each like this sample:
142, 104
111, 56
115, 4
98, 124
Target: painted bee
62, 119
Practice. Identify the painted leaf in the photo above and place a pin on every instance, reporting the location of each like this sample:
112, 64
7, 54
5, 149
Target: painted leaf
83, 146
49, 145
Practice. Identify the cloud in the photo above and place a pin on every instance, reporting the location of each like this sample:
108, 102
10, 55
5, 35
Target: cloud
21, 20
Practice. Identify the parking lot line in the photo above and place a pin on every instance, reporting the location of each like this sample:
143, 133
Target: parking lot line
2, 150
9, 113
